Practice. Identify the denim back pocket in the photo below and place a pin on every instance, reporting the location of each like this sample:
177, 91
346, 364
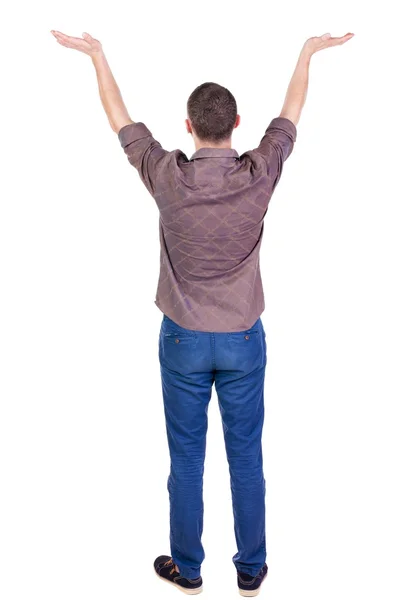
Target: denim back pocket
179, 338
244, 338
176, 345
248, 347
251, 334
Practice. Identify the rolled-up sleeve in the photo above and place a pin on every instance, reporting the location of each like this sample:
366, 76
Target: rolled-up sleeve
143, 152
277, 144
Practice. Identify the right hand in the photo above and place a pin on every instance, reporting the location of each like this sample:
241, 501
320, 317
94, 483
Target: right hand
87, 44
315, 44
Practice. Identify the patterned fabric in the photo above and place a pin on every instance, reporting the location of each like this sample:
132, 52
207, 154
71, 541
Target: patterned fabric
212, 210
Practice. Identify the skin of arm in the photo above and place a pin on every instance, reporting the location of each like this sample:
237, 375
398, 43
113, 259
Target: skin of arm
298, 86
115, 108
109, 92
110, 95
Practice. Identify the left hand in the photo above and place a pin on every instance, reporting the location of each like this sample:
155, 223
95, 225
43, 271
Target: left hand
314, 44
87, 44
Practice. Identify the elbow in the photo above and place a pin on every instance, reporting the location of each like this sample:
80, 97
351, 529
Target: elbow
291, 116
118, 125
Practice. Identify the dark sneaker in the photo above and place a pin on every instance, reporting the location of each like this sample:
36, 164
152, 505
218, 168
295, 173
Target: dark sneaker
249, 585
166, 569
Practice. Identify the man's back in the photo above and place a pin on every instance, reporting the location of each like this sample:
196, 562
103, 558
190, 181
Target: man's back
210, 291
211, 224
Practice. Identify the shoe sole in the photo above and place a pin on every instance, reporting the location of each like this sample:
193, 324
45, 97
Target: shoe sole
193, 592
252, 593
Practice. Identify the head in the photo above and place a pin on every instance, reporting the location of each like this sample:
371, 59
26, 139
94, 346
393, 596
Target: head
212, 116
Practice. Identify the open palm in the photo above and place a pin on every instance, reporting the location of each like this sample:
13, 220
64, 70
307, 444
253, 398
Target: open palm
87, 44
315, 44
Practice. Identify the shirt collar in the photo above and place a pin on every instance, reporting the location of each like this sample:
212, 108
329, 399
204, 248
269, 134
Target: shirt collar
215, 153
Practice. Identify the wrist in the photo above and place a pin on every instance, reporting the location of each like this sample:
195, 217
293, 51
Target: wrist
97, 57
306, 53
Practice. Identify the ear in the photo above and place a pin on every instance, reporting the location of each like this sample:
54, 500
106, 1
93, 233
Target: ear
237, 121
188, 126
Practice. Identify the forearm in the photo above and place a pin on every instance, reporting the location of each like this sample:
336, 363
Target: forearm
110, 95
297, 90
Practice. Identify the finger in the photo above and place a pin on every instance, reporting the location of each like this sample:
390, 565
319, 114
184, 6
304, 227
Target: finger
60, 36
341, 40
347, 37
74, 45
68, 38
72, 42
63, 44
59, 33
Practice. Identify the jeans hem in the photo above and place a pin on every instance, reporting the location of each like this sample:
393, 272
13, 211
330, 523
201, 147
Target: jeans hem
188, 573
250, 572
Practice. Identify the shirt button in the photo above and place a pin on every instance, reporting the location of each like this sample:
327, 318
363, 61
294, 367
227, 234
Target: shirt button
247, 337
177, 341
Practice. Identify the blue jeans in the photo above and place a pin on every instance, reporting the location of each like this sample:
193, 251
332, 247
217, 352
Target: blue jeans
191, 362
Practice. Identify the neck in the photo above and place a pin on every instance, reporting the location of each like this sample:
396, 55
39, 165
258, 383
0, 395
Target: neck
200, 144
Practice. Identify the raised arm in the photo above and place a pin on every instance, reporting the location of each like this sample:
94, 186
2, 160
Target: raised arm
144, 152
109, 92
297, 90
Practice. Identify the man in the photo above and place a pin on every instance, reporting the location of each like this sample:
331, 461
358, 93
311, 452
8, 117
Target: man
212, 209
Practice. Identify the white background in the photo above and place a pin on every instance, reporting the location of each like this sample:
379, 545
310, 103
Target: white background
84, 460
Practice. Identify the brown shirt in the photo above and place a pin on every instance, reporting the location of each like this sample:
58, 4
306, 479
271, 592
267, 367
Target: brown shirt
212, 210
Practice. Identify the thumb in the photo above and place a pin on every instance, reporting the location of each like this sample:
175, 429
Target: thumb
87, 37
326, 36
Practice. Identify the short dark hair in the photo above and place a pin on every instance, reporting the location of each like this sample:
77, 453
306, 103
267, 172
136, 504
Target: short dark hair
212, 110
